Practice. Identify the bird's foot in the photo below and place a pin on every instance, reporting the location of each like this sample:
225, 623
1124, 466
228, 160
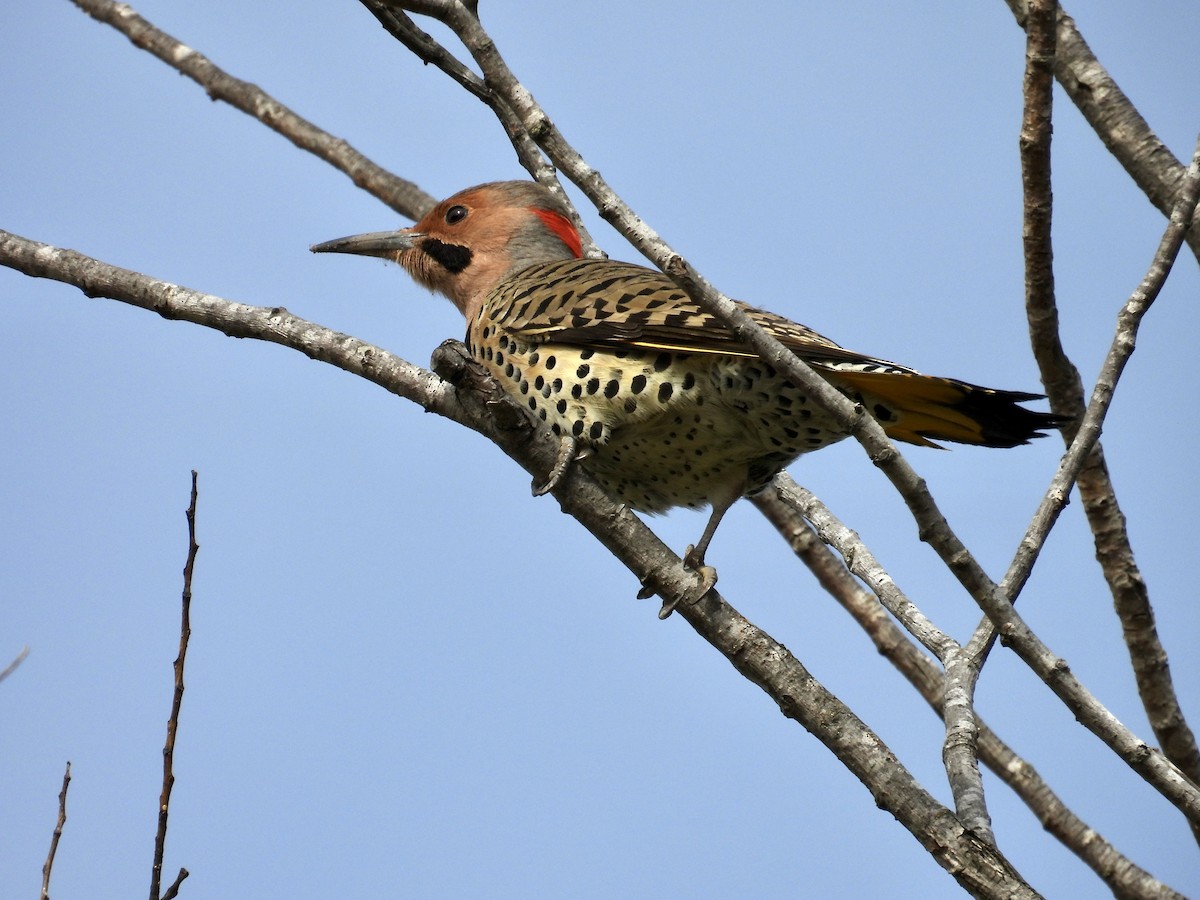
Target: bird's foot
708, 580
568, 453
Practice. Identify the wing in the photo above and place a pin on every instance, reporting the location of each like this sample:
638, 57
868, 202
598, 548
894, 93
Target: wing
605, 304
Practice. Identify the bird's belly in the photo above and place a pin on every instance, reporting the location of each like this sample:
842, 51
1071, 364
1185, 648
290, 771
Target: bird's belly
664, 429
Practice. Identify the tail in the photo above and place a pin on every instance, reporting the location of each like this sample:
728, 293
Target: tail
920, 409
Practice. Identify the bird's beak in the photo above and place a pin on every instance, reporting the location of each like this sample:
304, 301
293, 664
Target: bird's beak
377, 243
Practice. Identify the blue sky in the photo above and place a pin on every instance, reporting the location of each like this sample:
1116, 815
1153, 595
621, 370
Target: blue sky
409, 678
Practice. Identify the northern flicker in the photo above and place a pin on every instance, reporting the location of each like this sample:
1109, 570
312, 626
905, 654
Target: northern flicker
654, 396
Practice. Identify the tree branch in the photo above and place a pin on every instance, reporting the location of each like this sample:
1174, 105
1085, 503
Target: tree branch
168, 780
12, 666
1155, 169
402, 196
48, 866
1122, 876
1116, 121
960, 750
429, 51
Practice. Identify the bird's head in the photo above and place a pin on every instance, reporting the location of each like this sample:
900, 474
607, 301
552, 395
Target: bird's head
468, 243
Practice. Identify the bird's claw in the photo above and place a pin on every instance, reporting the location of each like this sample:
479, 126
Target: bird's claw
568, 452
708, 580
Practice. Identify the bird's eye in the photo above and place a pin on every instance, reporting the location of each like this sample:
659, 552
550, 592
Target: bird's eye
455, 214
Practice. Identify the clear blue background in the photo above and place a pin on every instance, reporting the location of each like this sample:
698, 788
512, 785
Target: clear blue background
407, 677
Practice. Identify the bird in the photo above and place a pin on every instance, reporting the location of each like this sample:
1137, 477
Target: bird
652, 395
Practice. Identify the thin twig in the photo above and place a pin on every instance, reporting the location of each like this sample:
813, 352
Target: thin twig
12, 666
1122, 876
960, 748
1124, 340
1154, 168
429, 51
1116, 121
58, 830
173, 891
1179, 789
185, 632
403, 196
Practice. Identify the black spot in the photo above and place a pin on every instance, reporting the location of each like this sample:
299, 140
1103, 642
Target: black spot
542, 414
533, 402
586, 354
577, 428
539, 382
593, 385
533, 358
556, 385
524, 387
630, 405
554, 426
561, 406
665, 390
577, 391
596, 431
551, 362
499, 357
582, 371
503, 342
610, 389
451, 257
508, 370
638, 384
662, 361
689, 381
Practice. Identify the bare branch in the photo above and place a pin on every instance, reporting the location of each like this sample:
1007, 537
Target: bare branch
1155, 169
960, 750
48, 866
1147, 761
12, 666
429, 51
1131, 599
173, 891
1122, 876
1116, 121
168, 782
403, 196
